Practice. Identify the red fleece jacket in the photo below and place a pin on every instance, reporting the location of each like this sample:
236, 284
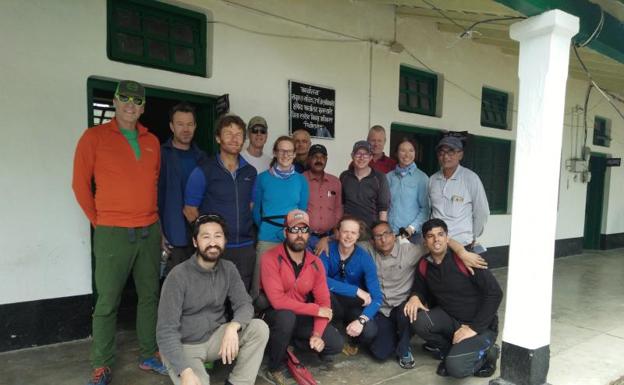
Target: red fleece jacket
284, 291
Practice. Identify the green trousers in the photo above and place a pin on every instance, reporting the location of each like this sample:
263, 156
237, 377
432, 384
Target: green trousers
118, 252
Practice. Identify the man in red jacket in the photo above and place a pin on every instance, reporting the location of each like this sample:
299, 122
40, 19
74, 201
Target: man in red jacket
293, 280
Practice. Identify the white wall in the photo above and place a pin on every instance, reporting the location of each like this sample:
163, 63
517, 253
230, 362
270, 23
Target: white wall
49, 49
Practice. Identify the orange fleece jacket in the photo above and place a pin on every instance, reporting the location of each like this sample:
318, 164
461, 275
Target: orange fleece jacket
125, 187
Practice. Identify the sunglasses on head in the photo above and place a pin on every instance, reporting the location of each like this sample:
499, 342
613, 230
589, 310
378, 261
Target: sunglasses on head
208, 218
258, 130
298, 229
127, 99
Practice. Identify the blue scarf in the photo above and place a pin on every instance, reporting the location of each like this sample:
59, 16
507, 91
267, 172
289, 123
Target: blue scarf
405, 170
276, 172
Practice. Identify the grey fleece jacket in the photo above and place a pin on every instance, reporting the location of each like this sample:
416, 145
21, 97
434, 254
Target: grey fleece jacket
192, 306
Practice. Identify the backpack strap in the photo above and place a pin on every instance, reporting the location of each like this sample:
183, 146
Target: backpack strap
461, 265
422, 268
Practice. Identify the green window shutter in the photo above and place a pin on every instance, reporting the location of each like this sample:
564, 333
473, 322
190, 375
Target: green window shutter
158, 35
417, 91
494, 108
602, 134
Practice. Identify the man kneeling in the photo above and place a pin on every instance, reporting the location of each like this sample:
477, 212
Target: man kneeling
192, 327
463, 324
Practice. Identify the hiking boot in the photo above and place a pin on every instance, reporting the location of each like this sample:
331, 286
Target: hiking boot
441, 370
154, 365
327, 363
277, 377
407, 360
489, 367
101, 376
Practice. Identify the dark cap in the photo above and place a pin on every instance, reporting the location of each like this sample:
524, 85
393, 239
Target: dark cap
317, 149
451, 141
257, 121
361, 144
130, 88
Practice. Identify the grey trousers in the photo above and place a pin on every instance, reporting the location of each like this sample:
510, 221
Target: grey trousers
252, 341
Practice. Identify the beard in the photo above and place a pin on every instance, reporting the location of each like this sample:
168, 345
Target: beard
210, 253
298, 244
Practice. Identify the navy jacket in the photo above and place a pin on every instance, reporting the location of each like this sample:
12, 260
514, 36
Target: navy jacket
230, 196
171, 186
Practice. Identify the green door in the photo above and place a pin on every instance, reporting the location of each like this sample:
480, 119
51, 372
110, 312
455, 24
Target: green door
594, 202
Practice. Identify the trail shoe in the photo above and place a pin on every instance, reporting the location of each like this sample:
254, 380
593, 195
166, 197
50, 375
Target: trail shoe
154, 364
101, 376
350, 349
277, 377
407, 360
441, 370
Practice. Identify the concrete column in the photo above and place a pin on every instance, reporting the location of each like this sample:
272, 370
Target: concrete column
543, 71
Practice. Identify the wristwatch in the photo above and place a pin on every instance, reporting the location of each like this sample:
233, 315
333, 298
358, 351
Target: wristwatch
362, 320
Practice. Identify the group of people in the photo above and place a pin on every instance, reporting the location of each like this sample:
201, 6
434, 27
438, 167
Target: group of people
269, 252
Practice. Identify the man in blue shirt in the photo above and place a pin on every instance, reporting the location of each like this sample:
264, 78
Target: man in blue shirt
353, 284
223, 185
179, 156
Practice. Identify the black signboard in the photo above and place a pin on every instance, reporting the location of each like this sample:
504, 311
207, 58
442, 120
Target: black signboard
614, 162
312, 108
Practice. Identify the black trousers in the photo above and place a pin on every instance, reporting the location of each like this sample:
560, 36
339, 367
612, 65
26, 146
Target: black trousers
177, 255
436, 327
285, 327
393, 334
245, 260
347, 309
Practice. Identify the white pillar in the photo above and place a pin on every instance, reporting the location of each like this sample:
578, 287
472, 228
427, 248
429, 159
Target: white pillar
543, 71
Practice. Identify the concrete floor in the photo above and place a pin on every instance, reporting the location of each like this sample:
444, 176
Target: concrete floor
587, 345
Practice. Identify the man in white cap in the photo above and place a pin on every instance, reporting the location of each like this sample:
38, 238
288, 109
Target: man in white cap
257, 133
457, 195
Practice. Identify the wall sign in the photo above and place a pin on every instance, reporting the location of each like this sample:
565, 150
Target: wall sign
311, 108
614, 162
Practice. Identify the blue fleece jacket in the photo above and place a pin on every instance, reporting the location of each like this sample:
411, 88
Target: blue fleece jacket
360, 273
175, 168
274, 196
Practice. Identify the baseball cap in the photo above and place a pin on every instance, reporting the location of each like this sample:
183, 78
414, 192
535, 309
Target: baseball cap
317, 149
297, 217
130, 88
361, 144
257, 121
451, 141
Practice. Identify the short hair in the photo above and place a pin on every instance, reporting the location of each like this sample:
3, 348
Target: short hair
182, 107
228, 120
283, 138
347, 217
379, 223
377, 128
208, 218
433, 223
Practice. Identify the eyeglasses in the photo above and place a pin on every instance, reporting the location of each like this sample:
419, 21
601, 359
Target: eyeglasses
285, 152
362, 155
449, 152
382, 235
298, 229
258, 130
127, 99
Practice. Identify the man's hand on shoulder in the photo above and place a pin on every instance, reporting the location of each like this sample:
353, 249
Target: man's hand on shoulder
229, 344
189, 377
472, 261
464, 332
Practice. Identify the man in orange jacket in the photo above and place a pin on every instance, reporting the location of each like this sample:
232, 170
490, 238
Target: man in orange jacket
123, 159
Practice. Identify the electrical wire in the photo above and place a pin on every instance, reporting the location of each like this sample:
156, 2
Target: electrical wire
441, 12
469, 30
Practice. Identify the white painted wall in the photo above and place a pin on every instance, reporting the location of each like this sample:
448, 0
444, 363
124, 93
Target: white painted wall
49, 49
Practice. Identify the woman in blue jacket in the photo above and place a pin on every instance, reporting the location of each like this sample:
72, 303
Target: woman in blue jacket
278, 190
353, 284
409, 199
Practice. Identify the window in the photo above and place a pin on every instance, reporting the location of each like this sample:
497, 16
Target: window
602, 132
494, 108
157, 35
487, 157
417, 91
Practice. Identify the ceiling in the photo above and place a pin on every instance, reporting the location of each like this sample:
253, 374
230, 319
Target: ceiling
455, 16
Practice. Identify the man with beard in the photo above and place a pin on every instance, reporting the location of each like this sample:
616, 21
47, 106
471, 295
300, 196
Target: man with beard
192, 327
325, 204
295, 285
179, 156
